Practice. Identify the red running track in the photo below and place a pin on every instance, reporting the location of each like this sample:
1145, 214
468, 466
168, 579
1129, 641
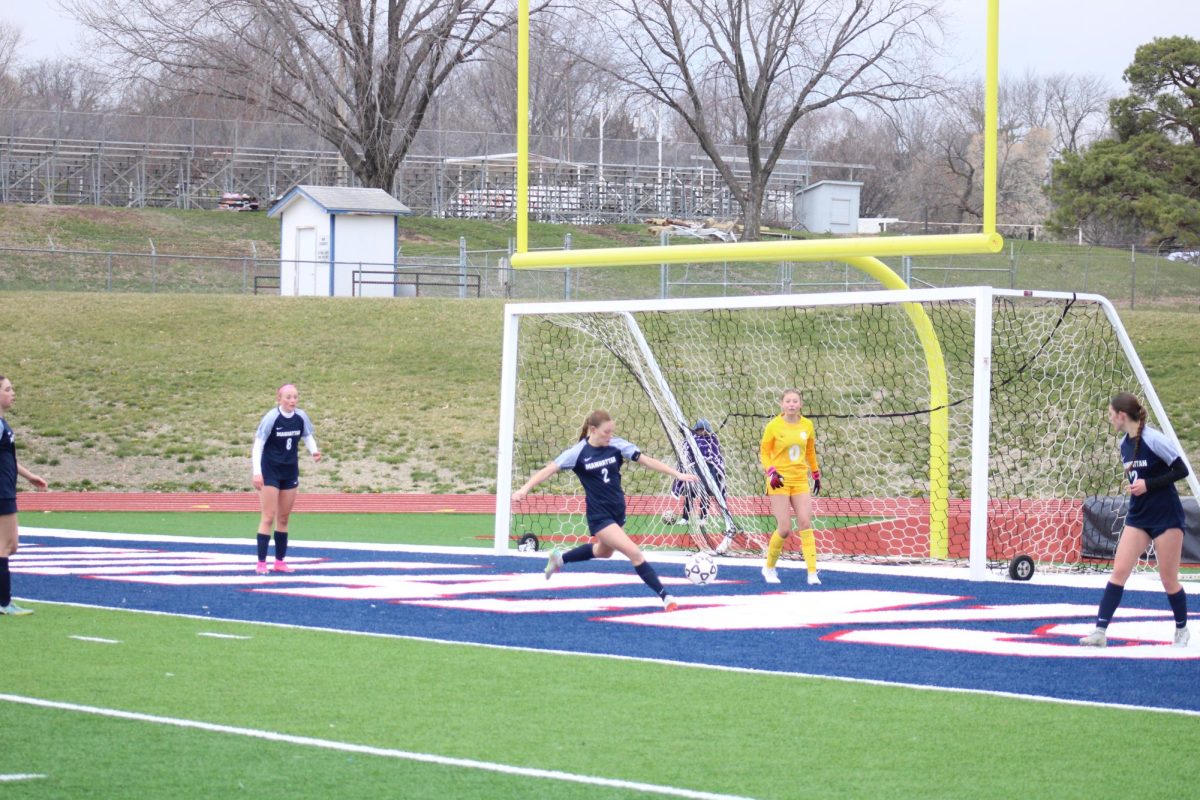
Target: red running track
247, 501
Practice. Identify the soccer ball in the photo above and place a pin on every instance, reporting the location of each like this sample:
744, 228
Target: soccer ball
669, 518
700, 568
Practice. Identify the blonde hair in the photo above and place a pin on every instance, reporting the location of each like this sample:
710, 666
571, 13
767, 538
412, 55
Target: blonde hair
786, 392
279, 391
594, 420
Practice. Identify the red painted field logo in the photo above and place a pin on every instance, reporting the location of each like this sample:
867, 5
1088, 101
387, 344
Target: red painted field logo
930, 621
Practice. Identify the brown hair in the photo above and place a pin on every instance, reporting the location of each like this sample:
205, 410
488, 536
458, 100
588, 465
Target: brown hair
594, 420
796, 392
1126, 403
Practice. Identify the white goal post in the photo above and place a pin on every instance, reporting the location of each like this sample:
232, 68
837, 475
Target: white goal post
953, 425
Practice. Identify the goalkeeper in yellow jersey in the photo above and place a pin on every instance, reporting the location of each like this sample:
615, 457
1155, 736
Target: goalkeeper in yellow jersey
788, 455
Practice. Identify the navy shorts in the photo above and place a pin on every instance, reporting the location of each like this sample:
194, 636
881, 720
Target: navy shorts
599, 523
280, 477
8, 505
1158, 524
1155, 531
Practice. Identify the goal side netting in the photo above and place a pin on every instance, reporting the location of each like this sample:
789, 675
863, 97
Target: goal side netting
963, 425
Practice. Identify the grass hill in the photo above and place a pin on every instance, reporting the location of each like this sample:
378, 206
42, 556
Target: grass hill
237, 234
163, 392
1128, 278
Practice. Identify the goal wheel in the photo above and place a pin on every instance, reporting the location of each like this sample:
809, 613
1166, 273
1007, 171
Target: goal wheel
1021, 568
528, 542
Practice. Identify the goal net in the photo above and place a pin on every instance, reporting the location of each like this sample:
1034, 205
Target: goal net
951, 424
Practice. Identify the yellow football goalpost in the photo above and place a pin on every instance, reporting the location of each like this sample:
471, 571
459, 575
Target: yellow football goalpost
863, 254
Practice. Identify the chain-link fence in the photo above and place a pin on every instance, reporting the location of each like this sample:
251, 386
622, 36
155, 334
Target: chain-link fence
23, 269
1129, 277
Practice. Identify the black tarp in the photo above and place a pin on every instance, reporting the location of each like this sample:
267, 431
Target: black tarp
1101, 528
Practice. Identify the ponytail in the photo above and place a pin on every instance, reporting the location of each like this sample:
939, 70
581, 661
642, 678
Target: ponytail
593, 420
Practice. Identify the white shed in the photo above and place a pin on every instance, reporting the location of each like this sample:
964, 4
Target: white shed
338, 241
828, 207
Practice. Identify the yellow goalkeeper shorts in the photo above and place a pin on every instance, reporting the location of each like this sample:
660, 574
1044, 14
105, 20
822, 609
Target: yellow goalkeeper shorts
789, 488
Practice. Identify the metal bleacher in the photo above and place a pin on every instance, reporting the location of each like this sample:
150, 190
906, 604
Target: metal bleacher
120, 160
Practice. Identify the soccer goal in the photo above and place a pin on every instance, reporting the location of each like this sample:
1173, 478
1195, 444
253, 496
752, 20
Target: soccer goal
954, 425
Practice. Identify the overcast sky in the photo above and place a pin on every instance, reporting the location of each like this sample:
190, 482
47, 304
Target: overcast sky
1046, 36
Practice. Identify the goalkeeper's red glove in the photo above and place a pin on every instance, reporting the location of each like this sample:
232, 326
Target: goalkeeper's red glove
774, 478
816, 481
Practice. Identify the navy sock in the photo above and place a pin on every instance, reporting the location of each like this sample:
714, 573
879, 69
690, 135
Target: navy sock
5, 583
650, 578
582, 553
264, 539
1108, 604
280, 545
1178, 603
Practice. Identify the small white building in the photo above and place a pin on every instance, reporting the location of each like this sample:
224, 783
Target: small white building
873, 226
828, 207
338, 241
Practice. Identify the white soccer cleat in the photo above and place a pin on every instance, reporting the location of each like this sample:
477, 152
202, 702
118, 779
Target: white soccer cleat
554, 563
14, 610
1097, 638
1182, 636
770, 575
670, 603
813, 580
723, 546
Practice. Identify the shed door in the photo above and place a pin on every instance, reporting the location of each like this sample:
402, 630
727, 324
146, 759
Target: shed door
309, 273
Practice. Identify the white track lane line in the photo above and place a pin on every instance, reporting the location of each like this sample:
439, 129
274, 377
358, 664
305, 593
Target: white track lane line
384, 752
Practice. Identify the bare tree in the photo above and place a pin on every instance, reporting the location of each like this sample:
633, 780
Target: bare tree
360, 73
1078, 108
747, 71
869, 140
1073, 107
10, 42
62, 84
953, 160
565, 90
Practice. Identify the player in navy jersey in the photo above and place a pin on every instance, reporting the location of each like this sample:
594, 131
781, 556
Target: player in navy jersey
276, 466
9, 470
597, 458
1152, 466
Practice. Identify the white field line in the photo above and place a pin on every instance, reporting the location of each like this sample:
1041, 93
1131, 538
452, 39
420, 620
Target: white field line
223, 636
95, 639
21, 776
383, 752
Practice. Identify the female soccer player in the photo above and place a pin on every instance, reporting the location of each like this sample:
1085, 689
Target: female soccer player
597, 458
788, 455
9, 470
1152, 466
277, 471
